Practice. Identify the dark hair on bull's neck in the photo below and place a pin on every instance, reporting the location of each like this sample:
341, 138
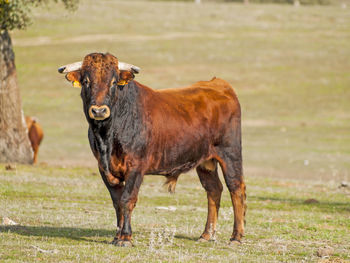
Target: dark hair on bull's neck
125, 122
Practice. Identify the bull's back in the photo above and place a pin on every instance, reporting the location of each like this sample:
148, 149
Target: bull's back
212, 90
205, 103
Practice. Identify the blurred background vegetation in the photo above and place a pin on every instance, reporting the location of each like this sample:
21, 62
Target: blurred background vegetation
289, 66
302, 2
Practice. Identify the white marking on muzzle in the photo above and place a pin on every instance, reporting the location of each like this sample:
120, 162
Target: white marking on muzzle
97, 109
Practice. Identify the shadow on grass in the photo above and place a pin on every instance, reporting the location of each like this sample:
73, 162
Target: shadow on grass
326, 207
79, 234
186, 237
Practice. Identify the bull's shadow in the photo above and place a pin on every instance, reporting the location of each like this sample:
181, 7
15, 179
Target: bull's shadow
78, 234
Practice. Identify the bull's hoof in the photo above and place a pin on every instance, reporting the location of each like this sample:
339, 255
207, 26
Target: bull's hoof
124, 243
114, 241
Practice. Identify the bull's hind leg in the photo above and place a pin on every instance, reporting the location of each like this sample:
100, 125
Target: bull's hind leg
35, 149
208, 176
231, 165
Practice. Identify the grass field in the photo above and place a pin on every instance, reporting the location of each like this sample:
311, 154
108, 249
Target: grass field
67, 213
290, 68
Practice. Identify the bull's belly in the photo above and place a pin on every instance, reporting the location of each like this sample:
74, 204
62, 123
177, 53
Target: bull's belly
175, 170
173, 162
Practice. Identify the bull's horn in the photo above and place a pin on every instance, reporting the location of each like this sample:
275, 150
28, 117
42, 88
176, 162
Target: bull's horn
77, 65
128, 67
70, 67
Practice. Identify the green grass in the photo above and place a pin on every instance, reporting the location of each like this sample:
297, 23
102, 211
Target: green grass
290, 68
68, 212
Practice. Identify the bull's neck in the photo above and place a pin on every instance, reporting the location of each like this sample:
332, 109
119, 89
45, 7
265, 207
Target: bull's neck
124, 126
128, 115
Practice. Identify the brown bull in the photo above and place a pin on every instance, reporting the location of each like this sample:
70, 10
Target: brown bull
35, 134
135, 130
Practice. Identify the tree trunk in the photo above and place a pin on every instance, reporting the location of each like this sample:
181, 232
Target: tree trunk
14, 141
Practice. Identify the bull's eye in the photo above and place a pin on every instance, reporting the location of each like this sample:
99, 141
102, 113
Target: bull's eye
86, 82
114, 82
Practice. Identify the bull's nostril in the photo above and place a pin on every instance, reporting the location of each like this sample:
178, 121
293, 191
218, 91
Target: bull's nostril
94, 111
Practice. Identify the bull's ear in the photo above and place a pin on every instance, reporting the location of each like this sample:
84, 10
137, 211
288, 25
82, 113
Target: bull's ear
125, 77
74, 77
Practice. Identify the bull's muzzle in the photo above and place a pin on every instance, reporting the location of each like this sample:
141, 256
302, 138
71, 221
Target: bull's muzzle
99, 113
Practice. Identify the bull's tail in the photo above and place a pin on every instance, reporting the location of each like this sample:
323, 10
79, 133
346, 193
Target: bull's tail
170, 183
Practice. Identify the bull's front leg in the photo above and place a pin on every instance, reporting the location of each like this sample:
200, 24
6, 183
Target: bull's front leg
127, 203
115, 192
115, 188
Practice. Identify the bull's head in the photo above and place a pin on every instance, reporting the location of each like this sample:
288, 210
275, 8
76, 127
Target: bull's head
100, 79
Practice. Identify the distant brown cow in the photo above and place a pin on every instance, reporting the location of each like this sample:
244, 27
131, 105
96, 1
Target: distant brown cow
35, 134
135, 130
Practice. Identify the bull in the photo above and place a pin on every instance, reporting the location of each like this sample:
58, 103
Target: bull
35, 134
135, 131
